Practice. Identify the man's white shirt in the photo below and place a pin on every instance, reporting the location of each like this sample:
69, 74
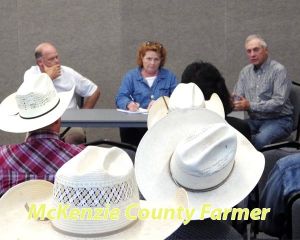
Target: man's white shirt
68, 78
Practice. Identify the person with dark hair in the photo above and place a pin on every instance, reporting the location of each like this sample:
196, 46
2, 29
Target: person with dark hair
144, 84
208, 78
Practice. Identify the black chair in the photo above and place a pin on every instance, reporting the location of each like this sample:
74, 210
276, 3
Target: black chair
295, 100
112, 143
293, 140
206, 229
80, 102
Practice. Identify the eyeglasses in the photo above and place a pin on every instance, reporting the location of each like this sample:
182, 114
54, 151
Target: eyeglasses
149, 43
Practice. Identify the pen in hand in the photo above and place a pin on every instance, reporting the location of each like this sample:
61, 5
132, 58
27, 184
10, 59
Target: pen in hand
133, 106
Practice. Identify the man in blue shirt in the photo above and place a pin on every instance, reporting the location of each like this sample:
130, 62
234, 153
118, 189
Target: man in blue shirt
263, 90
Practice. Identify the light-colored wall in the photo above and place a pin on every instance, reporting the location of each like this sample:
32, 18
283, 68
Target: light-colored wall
99, 38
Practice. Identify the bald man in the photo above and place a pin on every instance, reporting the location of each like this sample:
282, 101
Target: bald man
47, 60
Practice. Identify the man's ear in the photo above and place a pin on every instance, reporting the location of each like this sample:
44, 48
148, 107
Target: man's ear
39, 62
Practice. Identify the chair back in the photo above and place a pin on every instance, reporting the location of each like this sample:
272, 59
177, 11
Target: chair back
295, 101
79, 100
295, 218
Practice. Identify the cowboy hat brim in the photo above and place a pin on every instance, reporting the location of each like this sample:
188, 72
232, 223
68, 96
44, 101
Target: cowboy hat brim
158, 144
12, 122
158, 110
14, 216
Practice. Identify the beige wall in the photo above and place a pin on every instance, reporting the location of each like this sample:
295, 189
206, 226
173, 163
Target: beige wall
99, 38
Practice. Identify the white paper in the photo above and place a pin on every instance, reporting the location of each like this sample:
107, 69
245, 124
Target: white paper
139, 111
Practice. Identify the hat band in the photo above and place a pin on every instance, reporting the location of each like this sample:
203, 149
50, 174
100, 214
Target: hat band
165, 102
42, 113
203, 189
93, 196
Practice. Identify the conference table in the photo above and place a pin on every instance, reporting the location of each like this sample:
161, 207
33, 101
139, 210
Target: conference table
106, 118
110, 118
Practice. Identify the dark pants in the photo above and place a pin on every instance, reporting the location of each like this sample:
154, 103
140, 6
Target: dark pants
132, 136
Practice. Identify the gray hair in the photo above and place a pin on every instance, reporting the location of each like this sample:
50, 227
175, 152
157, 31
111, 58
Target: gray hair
256, 36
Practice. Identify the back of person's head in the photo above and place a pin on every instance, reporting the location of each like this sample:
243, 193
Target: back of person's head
151, 46
208, 78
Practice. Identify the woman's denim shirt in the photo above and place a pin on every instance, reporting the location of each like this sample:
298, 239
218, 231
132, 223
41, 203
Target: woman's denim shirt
135, 88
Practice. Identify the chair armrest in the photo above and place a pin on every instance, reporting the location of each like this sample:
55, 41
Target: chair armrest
298, 129
286, 144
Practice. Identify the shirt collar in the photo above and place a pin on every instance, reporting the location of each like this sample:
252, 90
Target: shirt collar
263, 66
160, 74
41, 134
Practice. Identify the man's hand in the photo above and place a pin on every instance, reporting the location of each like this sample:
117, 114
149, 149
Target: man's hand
53, 72
241, 105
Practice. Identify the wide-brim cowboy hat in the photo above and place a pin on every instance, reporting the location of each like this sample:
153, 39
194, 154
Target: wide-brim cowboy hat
11, 119
16, 223
152, 161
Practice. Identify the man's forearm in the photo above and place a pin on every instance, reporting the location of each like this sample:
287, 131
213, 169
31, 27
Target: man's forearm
91, 101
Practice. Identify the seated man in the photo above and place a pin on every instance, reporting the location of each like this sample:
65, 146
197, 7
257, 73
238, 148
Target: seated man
64, 78
38, 108
283, 181
263, 90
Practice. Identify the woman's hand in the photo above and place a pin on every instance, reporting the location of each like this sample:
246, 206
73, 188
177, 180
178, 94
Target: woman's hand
133, 106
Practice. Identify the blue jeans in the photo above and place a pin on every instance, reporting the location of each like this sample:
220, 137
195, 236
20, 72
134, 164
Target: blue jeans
268, 131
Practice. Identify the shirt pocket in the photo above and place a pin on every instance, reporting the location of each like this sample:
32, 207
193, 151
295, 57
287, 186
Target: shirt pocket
138, 95
265, 90
164, 92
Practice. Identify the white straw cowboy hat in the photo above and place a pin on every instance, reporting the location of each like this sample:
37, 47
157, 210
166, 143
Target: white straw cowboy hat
97, 178
193, 98
196, 149
158, 110
36, 104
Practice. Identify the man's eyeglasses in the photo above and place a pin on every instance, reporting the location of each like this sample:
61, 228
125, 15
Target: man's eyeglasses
149, 43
